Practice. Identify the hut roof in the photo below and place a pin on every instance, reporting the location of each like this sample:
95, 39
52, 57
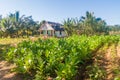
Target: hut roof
46, 27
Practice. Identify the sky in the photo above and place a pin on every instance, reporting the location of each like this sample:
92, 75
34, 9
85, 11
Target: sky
59, 10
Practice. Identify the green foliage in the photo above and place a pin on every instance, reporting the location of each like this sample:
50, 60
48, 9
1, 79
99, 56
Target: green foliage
117, 78
57, 58
15, 26
88, 25
96, 73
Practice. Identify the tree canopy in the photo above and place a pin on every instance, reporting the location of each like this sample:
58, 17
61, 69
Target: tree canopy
15, 25
88, 25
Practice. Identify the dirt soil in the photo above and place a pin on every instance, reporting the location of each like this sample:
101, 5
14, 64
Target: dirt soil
108, 59
6, 73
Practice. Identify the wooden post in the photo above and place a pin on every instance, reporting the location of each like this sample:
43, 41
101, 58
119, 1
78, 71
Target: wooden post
45, 32
53, 32
40, 32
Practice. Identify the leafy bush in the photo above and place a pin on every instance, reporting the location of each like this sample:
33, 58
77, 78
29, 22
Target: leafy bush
57, 58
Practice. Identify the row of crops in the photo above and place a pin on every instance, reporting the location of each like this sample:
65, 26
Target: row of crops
56, 58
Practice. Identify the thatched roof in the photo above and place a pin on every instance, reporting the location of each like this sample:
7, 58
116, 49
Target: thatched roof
46, 26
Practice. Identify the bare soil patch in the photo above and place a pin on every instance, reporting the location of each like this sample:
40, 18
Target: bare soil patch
6, 73
108, 59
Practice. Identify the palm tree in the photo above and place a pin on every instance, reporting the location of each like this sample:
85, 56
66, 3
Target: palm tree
93, 25
14, 25
85, 25
71, 25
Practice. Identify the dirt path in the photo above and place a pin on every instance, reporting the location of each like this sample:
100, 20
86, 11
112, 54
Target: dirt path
108, 59
109, 63
6, 73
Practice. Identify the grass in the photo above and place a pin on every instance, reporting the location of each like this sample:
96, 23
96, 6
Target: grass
5, 41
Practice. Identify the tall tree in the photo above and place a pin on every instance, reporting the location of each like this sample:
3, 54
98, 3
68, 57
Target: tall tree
16, 26
87, 24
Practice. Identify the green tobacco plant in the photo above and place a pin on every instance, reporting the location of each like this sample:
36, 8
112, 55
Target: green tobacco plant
56, 58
